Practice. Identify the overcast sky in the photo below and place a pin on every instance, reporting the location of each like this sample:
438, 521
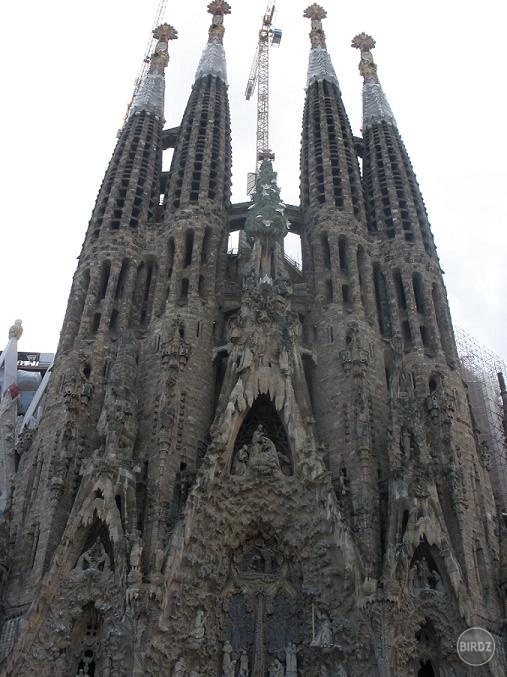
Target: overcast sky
68, 70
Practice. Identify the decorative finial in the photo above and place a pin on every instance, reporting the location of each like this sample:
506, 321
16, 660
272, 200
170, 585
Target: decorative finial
160, 57
219, 8
316, 13
376, 108
213, 58
16, 330
367, 66
165, 32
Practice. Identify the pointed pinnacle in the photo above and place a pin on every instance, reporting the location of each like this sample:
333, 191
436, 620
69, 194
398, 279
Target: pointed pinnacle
367, 66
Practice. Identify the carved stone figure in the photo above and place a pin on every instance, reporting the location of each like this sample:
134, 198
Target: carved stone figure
276, 669
240, 464
243, 665
197, 632
324, 635
180, 668
291, 661
95, 559
228, 664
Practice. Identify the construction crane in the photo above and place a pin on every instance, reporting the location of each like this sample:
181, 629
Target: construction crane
259, 75
162, 6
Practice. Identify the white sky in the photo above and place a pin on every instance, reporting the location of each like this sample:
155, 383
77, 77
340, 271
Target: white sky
68, 70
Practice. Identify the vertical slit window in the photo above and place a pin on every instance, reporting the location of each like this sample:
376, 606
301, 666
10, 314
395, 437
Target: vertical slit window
417, 284
184, 290
342, 252
329, 291
122, 277
189, 246
104, 280
400, 290
326, 251
381, 299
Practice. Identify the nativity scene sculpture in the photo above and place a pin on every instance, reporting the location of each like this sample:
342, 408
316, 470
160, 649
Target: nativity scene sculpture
259, 457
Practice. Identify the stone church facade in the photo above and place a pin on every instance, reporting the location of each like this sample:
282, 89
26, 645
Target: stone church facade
244, 468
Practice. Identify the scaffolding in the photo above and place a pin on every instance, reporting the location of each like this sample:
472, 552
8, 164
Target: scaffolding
483, 371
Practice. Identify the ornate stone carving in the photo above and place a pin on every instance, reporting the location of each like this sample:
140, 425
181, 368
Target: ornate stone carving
95, 559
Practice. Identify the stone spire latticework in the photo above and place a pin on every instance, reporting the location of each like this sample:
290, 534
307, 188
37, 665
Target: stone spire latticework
320, 66
213, 57
150, 96
375, 105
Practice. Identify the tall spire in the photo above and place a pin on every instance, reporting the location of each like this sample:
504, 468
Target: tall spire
150, 96
320, 66
213, 57
375, 105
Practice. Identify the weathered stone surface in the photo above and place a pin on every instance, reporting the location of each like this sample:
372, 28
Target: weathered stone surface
244, 469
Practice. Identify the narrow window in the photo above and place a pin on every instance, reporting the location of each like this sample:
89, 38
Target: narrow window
382, 302
104, 279
170, 257
189, 246
326, 251
342, 253
184, 290
202, 287
329, 291
205, 246
417, 284
400, 290
122, 277
346, 295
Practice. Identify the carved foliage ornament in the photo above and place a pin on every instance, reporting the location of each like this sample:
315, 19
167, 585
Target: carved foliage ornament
219, 8
315, 12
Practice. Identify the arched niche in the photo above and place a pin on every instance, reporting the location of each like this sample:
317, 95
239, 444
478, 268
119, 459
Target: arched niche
97, 550
262, 439
427, 568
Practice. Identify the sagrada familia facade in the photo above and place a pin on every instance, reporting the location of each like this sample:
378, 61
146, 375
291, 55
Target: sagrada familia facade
245, 468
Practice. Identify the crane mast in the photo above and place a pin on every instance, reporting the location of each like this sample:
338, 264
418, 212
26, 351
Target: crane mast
162, 6
259, 75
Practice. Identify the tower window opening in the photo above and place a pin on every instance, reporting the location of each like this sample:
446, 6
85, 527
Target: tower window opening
120, 285
202, 287
400, 290
406, 333
326, 251
113, 322
417, 283
189, 245
96, 323
184, 290
329, 291
346, 295
170, 257
424, 336
342, 252
104, 280
205, 246
382, 302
